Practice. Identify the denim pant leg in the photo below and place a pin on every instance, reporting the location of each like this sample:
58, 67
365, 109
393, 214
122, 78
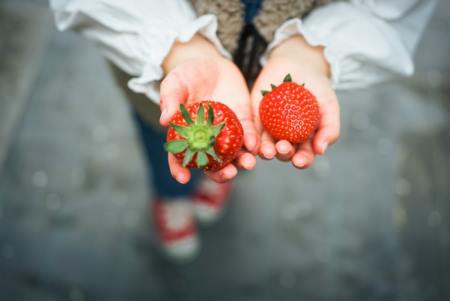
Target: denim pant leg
164, 185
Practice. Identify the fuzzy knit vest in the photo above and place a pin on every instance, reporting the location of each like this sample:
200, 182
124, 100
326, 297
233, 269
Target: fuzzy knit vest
271, 15
248, 41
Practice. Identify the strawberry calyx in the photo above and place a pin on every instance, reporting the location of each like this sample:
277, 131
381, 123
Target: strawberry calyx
199, 137
286, 79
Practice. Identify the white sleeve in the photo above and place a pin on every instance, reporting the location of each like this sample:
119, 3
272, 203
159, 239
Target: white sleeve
136, 35
365, 41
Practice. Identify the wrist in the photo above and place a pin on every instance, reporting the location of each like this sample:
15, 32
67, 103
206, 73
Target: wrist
309, 57
197, 47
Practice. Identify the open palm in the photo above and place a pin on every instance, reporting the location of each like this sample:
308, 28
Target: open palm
302, 155
210, 78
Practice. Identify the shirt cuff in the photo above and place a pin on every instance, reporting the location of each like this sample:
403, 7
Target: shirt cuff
360, 49
294, 27
149, 81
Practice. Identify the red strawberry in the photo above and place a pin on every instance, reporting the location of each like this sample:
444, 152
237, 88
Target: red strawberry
289, 112
211, 142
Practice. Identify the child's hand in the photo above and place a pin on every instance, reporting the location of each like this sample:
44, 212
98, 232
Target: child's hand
196, 71
306, 65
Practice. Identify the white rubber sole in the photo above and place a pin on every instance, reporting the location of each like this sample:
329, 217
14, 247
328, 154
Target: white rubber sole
207, 215
183, 250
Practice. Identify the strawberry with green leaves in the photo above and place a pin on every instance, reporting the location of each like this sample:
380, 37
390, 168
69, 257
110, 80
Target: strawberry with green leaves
289, 112
206, 135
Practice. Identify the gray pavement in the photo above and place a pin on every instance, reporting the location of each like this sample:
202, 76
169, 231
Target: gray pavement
370, 220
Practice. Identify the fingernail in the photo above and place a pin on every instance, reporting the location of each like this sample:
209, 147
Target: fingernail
299, 161
231, 173
324, 147
249, 162
250, 142
283, 148
181, 178
267, 151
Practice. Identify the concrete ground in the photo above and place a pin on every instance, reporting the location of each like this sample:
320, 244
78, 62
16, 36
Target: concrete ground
370, 220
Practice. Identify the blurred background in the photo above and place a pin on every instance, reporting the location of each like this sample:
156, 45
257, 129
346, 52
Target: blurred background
370, 220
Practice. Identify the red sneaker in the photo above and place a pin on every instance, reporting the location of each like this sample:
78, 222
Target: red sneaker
209, 200
175, 228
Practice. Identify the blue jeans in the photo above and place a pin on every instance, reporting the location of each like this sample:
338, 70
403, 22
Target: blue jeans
164, 185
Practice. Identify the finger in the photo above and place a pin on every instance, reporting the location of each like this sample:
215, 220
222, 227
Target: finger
251, 139
267, 149
180, 173
285, 150
246, 161
173, 92
304, 156
225, 174
329, 127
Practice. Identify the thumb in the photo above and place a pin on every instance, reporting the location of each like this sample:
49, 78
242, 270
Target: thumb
173, 92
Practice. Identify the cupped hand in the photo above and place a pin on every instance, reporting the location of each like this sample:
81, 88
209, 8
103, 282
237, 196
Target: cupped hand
200, 73
308, 66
